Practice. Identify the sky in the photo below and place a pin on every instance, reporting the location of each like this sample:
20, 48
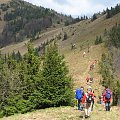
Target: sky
76, 7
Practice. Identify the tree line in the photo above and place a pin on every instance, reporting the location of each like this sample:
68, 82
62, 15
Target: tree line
112, 11
108, 63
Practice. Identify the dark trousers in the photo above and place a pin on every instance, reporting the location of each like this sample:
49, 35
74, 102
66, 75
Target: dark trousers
92, 105
107, 106
79, 105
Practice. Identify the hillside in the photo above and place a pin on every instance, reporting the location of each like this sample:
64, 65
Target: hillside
82, 35
20, 20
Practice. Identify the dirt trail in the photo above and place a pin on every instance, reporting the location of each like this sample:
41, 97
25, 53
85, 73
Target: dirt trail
80, 67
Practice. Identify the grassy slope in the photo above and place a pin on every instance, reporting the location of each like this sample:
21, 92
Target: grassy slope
4, 1
84, 32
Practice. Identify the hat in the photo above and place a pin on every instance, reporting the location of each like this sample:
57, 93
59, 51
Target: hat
89, 87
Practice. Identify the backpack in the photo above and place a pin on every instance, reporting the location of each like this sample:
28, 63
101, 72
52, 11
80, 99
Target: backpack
108, 94
79, 94
89, 98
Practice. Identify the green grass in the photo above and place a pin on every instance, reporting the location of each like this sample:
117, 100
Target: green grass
67, 113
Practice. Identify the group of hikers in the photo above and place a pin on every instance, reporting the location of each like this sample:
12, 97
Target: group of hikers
86, 100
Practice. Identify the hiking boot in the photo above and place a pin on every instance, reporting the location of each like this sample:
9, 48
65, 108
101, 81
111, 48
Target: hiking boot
86, 116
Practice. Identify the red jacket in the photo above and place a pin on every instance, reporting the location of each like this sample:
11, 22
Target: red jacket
87, 79
104, 98
85, 97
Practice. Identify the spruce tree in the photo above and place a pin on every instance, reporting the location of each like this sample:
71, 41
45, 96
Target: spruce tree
32, 63
100, 39
97, 40
30, 76
94, 17
57, 83
108, 13
18, 56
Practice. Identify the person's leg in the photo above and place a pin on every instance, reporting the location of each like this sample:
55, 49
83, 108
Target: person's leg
92, 106
108, 106
81, 106
89, 109
86, 110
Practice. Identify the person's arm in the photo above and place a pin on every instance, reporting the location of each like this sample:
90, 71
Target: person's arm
111, 97
83, 99
83, 93
103, 97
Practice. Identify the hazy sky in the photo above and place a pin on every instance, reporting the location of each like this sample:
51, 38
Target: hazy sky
76, 7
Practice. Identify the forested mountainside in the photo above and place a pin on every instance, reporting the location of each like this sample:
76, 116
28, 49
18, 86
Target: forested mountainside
20, 20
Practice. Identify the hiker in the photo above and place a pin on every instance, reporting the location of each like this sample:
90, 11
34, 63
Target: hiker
87, 79
73, 46
91, 79
93, 97
94, 63
79, 96
100, 99
91, 67
107, 97
93, 101
87, 101
84, 53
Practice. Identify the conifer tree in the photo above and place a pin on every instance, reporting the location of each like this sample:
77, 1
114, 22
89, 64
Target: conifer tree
97, 40
18, 56
108, 13
58, 85
65, 36
94, 17
31, 68
100, 39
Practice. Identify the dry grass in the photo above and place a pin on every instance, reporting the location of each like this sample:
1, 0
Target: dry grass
4, 1
67, 113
